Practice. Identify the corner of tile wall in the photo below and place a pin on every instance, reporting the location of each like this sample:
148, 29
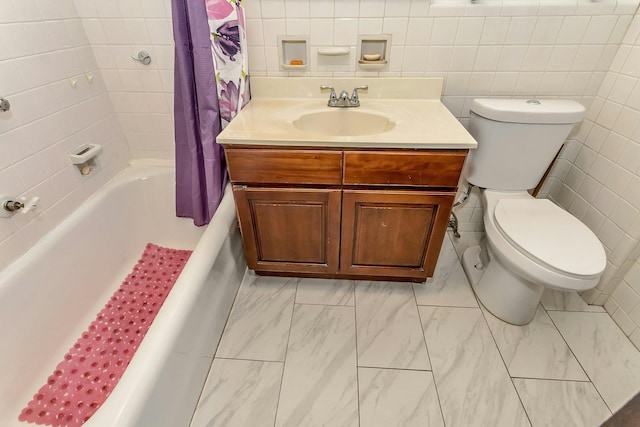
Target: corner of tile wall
142, 95
623, 304
506, 49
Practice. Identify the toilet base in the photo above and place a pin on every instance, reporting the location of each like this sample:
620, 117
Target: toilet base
506, 295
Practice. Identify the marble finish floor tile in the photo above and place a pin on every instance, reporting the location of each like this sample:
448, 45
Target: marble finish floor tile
449, 285
553, 300
535, 350
325, 291
319, 385
258, 326
466, 240
239, 393
562, 403
473, 384
606, 354
388, 325
391, 397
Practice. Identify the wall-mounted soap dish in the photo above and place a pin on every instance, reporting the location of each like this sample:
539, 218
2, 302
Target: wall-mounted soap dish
373, 51
293, 52
84, 157
333, 51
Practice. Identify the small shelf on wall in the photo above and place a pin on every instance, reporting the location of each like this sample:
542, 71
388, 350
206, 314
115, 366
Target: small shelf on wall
373, 51
333, 51
293, 52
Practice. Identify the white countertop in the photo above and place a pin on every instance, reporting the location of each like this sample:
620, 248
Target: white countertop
421, 120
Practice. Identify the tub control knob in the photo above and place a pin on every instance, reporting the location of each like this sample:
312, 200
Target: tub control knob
30, 205
9, 205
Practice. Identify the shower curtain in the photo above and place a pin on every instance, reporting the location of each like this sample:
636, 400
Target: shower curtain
211, 86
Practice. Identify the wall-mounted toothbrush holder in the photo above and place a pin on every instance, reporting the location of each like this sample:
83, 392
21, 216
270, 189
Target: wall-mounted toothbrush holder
85, 158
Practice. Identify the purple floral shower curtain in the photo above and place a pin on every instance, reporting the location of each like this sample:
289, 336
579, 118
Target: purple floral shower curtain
199, 115
229, 42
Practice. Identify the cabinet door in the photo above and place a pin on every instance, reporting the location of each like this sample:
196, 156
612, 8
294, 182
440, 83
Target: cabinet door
290, 230
393, 233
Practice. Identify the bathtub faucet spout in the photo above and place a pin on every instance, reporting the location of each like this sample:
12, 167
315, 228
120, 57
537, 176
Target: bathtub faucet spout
11, 205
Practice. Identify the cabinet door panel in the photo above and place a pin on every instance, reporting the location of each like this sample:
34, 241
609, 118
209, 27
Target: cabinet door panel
290, 229
393, 233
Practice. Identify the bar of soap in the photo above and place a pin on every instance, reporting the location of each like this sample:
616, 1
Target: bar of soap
295, 62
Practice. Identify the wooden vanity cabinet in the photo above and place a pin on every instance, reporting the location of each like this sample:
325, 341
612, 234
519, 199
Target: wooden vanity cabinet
341, 213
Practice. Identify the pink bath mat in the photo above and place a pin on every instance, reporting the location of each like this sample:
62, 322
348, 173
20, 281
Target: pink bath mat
92, 367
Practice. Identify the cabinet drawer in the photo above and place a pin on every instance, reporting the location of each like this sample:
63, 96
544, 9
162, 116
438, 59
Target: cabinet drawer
274, 166
410, 168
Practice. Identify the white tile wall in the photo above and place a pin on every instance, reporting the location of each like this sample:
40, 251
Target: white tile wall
485, 49
141, 95
598, 180
581, 50
42, 46
481, 49
624, 304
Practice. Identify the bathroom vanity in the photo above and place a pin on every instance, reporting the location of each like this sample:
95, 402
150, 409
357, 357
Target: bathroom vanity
360, 193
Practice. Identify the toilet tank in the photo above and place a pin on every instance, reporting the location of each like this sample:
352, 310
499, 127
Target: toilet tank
517, 140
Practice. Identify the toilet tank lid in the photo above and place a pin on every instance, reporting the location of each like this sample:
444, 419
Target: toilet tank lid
541, 111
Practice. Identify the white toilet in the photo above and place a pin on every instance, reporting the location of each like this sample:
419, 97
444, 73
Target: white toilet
530, 243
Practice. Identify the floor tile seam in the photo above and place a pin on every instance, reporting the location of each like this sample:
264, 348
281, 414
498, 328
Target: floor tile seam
574, 311
424, 339
226, 322
355, 335
286, 352
578, 360
565, 341
560, 380
495, 342
446, 306
247, 359
394, 369
219, 341
322, 304
433, 375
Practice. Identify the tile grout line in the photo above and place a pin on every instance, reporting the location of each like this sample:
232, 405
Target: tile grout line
394, 369
355, 330
576, 357
286, 351
433, 376
250, 360
524, 408
213, 359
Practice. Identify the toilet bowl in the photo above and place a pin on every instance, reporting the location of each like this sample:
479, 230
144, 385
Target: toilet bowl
530, 244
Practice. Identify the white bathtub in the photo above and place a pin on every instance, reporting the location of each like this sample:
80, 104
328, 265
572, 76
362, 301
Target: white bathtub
50, 296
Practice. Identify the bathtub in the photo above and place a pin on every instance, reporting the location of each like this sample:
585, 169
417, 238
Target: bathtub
50, 295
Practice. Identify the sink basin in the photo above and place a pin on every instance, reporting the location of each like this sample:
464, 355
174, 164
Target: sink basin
343, 122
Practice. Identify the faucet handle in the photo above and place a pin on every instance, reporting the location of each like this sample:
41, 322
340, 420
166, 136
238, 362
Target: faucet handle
333, 99
354, 95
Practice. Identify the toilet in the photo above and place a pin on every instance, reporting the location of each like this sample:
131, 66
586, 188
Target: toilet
531, 244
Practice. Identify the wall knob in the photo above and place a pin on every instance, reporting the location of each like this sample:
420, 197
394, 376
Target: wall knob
4, 104
143, 57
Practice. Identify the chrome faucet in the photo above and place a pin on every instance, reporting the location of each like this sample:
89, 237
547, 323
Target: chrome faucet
343, 100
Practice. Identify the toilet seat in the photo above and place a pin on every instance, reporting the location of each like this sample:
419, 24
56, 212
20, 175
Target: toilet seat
520, 261
549, 235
